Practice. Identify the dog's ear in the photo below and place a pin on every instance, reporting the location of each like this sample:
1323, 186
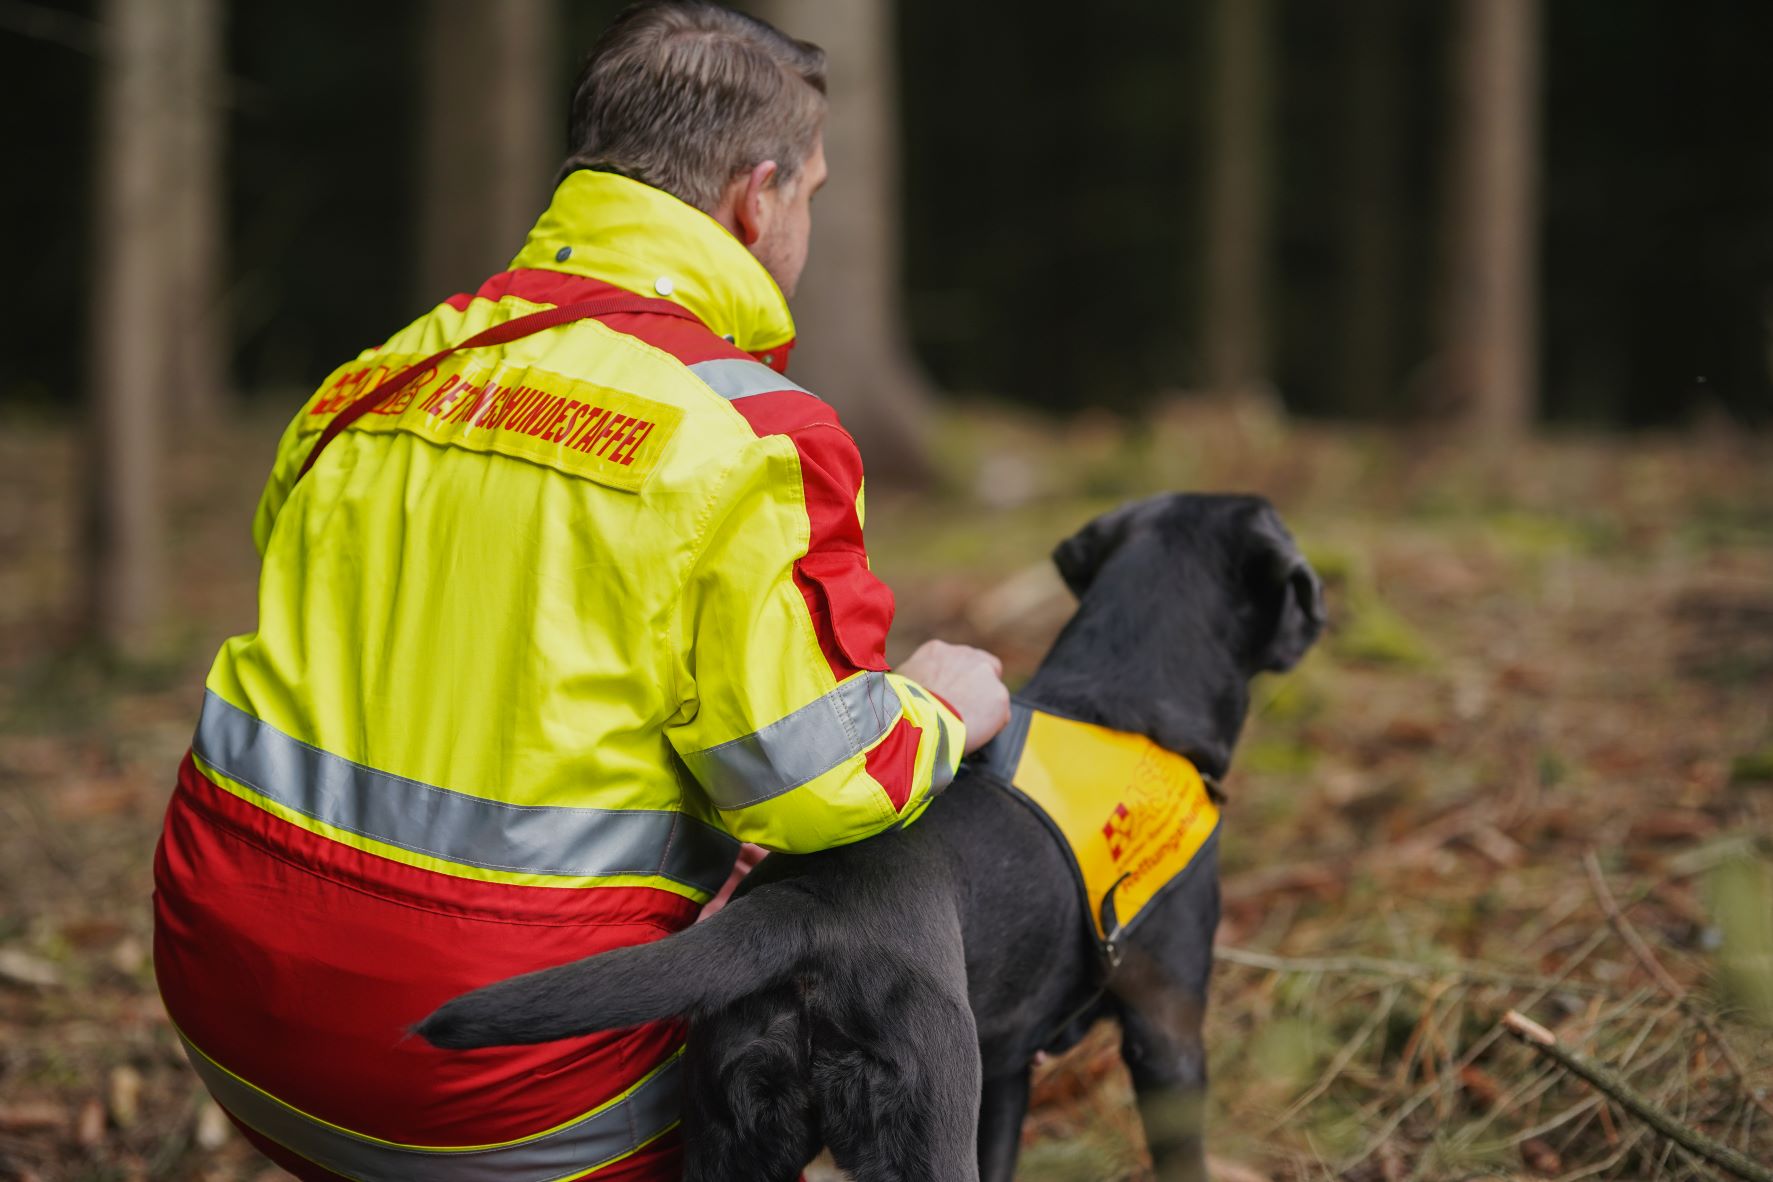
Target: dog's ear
1291, 594
1081, 555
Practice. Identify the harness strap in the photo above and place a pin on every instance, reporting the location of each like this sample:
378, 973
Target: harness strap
613, 304
999, 759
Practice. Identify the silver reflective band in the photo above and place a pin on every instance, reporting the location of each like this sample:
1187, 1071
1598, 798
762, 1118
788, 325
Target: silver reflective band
600, 1136
734, 377
525, 839
801, 747
942, 773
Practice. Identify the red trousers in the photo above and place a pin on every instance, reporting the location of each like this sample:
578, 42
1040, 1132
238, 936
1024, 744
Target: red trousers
299, 963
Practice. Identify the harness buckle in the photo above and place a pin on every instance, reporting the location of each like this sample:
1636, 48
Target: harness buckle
1111, 926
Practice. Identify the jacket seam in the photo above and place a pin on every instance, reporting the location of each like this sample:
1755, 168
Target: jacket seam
702, 539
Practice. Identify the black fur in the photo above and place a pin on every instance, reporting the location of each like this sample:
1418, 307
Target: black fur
887, 998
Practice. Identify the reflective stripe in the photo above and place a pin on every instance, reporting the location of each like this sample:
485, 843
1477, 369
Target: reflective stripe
602, 1135
941, 772
735, 377
801, 747
528, 839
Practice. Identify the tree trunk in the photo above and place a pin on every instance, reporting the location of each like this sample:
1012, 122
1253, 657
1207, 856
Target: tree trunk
129, 346
1490, 289
854, 348
1237, 225
491, 136
195, 316
1370, 212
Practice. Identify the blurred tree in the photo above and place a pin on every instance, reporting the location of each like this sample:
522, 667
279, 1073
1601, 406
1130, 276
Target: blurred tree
1237, 220
855, 349
195, 314
1055, 195
130, 347
1372, 96
1487, 370
491, 136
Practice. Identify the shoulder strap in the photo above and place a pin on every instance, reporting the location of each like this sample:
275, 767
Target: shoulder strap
613, 304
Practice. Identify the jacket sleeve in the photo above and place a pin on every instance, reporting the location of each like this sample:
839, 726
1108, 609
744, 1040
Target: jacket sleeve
792, 724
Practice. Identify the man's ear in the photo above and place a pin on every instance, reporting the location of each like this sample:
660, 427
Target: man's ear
1289, 592
750, 212
1081, 555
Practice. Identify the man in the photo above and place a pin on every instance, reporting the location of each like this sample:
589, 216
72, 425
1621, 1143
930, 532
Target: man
564, 596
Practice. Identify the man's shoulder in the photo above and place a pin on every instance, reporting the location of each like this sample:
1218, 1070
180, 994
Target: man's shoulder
660, 351
766, 399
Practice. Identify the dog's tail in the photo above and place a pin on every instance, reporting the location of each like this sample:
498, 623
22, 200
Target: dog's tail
752, 942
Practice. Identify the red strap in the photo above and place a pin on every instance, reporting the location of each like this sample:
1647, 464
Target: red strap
613, 304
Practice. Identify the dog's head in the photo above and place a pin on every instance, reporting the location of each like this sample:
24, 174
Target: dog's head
1191, 595
1231, 551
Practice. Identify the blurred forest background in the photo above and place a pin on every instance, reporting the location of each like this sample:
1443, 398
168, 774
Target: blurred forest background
1480, 292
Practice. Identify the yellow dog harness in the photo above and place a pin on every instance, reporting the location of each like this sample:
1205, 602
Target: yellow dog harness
1132, 816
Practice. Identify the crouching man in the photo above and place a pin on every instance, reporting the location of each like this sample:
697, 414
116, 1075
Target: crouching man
563, 597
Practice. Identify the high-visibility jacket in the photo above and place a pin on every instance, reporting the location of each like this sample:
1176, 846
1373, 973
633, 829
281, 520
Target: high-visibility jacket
541, 640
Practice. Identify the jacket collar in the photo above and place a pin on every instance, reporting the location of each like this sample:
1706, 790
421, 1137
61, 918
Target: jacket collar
609, 227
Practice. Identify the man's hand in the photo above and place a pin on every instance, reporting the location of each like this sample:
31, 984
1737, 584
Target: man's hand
969, 679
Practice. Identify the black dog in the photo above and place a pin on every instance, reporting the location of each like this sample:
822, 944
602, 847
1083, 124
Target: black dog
887, 998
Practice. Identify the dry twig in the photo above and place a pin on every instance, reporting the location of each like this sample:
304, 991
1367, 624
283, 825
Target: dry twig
1545, 1043
1475, 974
1616, 918
1476, 1050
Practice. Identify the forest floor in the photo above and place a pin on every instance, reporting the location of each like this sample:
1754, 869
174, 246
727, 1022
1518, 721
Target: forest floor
1547, 692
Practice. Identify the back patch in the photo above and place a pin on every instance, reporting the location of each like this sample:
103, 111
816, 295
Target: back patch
609, 436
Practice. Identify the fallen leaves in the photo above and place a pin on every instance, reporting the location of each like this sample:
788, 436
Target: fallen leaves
213, 1128
89, 1124
28, 1116
1502, 691
21, 968
125, 1096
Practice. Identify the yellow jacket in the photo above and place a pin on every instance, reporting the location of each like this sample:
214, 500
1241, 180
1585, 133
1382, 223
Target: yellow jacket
543, 636
512, 619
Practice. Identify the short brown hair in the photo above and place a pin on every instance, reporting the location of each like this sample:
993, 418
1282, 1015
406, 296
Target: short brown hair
685, 95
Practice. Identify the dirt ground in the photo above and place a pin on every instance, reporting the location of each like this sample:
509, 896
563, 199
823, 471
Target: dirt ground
1547, 694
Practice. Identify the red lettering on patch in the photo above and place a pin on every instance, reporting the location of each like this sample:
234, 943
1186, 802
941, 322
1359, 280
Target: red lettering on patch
574, 408
598, 419
436, 400
635, 439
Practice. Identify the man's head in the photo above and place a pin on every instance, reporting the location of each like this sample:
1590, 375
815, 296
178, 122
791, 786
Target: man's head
716, 108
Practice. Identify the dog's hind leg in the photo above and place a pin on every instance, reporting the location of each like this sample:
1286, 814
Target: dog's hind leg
900, 1099
747, 1106
1003, 1103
